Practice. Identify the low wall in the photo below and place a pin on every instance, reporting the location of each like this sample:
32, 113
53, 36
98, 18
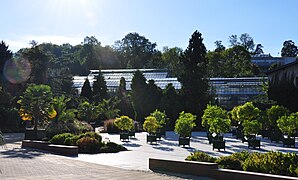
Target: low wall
209, 170
57, 149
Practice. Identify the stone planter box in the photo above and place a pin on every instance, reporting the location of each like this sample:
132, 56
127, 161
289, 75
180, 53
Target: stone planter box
184, 141
219, 144
124, 136
276, 137
289, 142
254, 143
132, 134
151, 138
30, 134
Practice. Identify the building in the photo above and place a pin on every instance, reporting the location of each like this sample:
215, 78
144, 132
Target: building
265, 61
228, 92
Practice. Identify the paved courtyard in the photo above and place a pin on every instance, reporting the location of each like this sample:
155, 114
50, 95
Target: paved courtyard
18, 163
140, 151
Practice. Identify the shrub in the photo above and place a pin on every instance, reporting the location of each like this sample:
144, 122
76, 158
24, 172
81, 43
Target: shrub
272, 163
150, 124
91, 135
72, 141
75, 127
242, 156
109, 126
184, 124
112, 147
60, 138
89, 145
229, 162
200, 156
124, 123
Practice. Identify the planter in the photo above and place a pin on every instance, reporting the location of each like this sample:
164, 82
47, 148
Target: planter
254, 143
219, 144
158, 135
276, 136
124, 136
132, 134
289, 142
210, 137
30, 134
265, 133
151, 138
183, 141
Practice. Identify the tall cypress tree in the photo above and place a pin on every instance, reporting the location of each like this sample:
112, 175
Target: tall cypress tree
194, 77
86, 90
99, 88
138, 88
125, 104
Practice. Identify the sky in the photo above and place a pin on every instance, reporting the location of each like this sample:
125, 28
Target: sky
165, 22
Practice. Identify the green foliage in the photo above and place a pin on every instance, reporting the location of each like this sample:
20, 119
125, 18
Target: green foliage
184, 124
75, 127
86, 90
36, 104
194, 76
108, 108
112, 147
219, 125
242, 156
89, 145
212, 112
59, 104
200, 156
124, 123
229, 162
275, 112
288, 124
60, 138
251, 127
289, 49
150, 124
67, 116
99, 88
88, 111
160, 117
272, 163
247, 112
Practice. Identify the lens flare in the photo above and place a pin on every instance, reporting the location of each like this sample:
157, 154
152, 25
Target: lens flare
17, 70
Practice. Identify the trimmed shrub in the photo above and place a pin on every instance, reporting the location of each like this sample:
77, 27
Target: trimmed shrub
229, 162
72, 141
91, 135
89, 145
200, 156
272, 163
60, 138
241, 156
112, 147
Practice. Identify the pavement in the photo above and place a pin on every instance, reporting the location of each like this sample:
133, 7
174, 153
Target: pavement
17, 163
139, 152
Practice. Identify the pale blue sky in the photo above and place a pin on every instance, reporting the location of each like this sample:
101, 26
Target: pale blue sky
166, 22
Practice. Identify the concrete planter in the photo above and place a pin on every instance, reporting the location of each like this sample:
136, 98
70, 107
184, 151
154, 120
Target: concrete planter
254, 143
184, 141
289, 142
124, 136
219, 144
151, 138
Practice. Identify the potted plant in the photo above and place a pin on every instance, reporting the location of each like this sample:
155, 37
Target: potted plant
218, 126
183, 126
288, 126
161, 119
251, 129
125, 124
150, 125
210, 113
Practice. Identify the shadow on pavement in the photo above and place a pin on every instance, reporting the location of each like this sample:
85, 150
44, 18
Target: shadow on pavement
13, 137
20, 153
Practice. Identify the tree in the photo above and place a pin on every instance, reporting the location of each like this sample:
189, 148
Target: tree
247, 112
194, 77
86, 90
99, 88
88, 111
171, 103
138, 93
5, 55
219, 47
153, 95
124, 123
216, 64
125, 103
39, 61
171, 59
289, 49
135, 50
245, 40
259, 49
108, 108
276, 112
212, 112
37, 104
184, 124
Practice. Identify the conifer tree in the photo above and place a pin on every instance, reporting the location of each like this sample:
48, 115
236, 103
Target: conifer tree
194, 77
86, 90
99, 88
